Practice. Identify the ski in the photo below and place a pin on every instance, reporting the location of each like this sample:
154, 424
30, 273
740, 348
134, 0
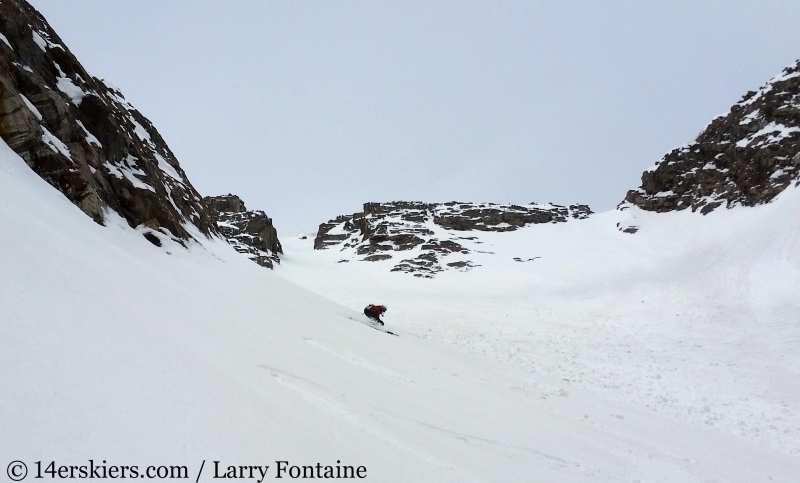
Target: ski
376, 327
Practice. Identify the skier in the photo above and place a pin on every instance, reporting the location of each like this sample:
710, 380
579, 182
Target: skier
374, 312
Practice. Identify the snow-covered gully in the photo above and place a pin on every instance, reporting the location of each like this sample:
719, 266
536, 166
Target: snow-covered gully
638, 363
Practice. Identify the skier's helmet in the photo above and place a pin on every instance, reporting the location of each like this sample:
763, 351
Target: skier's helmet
383, 308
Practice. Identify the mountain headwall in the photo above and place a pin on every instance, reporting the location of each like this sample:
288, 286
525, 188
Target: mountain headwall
425, 235
82, 136
746, 157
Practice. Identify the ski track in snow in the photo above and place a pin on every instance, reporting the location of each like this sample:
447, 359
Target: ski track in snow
335, 410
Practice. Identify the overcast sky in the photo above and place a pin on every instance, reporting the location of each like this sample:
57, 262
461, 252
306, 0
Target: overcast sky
309, 109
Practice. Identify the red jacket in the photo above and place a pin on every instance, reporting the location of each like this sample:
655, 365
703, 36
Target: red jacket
376, 311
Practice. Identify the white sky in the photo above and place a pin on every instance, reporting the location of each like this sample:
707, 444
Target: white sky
308, 109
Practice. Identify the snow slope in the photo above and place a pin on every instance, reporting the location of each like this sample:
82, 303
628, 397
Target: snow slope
113, 349
693, 317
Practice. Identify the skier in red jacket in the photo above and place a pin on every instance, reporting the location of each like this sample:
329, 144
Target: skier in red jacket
374, 312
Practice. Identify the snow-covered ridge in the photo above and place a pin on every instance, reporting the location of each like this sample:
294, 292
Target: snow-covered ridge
83, 137
746, 157
431, 237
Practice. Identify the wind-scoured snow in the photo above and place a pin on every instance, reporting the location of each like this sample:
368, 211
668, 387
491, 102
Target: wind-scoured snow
113, 349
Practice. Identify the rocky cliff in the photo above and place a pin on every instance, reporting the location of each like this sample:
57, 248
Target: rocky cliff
250, 232
745, 157
82, 136
427, 238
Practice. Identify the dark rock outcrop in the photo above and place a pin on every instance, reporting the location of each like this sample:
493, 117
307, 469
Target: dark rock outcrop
745, 157
81, 135
250, 232
490, 217
432, 231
